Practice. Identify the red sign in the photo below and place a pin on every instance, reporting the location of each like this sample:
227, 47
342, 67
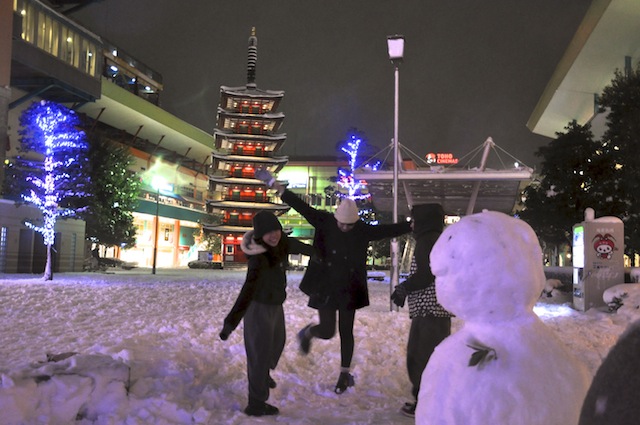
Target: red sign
441, 158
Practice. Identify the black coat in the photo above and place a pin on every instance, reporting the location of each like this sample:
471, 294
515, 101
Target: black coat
266, 280
337, 275
428, 222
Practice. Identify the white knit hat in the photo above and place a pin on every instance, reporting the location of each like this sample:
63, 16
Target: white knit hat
347, 211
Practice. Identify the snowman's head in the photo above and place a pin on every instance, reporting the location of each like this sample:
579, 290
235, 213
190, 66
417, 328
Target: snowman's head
488, 267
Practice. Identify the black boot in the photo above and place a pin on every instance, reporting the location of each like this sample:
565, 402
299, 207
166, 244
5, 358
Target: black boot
345, 380
304, 339
409, 409
261, 409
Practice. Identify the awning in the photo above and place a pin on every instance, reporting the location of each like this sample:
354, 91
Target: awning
453, 189
460, 191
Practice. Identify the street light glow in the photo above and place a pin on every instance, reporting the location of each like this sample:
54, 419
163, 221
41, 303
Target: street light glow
395, 44
159, 183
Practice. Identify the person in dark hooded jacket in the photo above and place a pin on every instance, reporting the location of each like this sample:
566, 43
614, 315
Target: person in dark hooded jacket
430, 322
614, 392
260, 304
336, 278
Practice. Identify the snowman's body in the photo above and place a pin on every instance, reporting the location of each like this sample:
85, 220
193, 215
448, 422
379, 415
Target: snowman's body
504, 366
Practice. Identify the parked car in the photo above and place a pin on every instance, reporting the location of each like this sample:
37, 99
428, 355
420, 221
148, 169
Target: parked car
116, 262
204, 264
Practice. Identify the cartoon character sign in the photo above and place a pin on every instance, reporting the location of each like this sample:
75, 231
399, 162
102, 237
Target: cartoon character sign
604, 246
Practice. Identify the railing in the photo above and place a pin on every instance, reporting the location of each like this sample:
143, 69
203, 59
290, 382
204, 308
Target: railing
167, 200
131, 75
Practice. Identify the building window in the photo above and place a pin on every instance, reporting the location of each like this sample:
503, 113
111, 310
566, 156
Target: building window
59, 37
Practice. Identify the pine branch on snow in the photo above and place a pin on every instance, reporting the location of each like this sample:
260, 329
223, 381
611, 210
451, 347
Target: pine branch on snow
482, 354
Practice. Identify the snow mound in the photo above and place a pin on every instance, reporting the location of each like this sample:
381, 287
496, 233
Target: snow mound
66, 388
623, 298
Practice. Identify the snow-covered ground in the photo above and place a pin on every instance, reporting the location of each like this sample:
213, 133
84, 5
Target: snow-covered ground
158, 335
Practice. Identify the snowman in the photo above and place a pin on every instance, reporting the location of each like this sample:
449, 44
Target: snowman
504, 366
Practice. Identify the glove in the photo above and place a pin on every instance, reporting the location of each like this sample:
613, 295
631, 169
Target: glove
399, 295
265, 176
225, 332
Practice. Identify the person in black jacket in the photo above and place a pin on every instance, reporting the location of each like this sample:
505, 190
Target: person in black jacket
430, 322
614, 392
260, 304
336, 278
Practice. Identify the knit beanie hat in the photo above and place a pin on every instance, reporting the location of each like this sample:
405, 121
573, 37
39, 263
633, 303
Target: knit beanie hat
347, 211
427, 218
263, 223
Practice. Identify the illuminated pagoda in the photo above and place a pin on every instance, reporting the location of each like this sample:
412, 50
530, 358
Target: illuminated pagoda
246, 140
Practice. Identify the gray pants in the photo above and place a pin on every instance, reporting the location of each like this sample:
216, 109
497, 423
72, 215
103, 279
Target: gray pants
425, 334
264, 338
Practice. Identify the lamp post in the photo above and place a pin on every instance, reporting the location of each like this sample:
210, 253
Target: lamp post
395, 44
157, 183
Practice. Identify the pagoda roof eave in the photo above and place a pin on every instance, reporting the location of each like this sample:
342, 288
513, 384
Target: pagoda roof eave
248, 116
227, 229
240, 205
236, 180
257, 137
255, 159
251, 92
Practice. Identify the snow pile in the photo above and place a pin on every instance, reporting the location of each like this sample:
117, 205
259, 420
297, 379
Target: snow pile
163, 330
623, 298
65, 388
552, 287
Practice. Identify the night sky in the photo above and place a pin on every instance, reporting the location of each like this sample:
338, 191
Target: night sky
472, 69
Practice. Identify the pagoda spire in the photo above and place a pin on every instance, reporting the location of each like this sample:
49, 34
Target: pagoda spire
252, 58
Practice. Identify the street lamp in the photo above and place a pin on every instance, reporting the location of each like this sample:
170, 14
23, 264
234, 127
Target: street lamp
395, 44
157, 183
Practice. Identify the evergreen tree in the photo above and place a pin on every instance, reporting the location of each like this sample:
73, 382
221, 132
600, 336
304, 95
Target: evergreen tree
578, 172
570, 166
115, 191
59, 180
621, 143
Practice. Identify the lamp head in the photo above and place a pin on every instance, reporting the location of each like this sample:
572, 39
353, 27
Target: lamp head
395, 44
158, 182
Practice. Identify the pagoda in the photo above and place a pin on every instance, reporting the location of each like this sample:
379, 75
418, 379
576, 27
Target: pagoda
246, 140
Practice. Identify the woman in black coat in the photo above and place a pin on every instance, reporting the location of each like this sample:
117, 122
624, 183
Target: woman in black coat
259, 303
336, 279
430, 322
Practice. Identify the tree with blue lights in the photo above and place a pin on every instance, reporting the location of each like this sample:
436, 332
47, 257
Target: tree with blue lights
353, 146
58, 181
